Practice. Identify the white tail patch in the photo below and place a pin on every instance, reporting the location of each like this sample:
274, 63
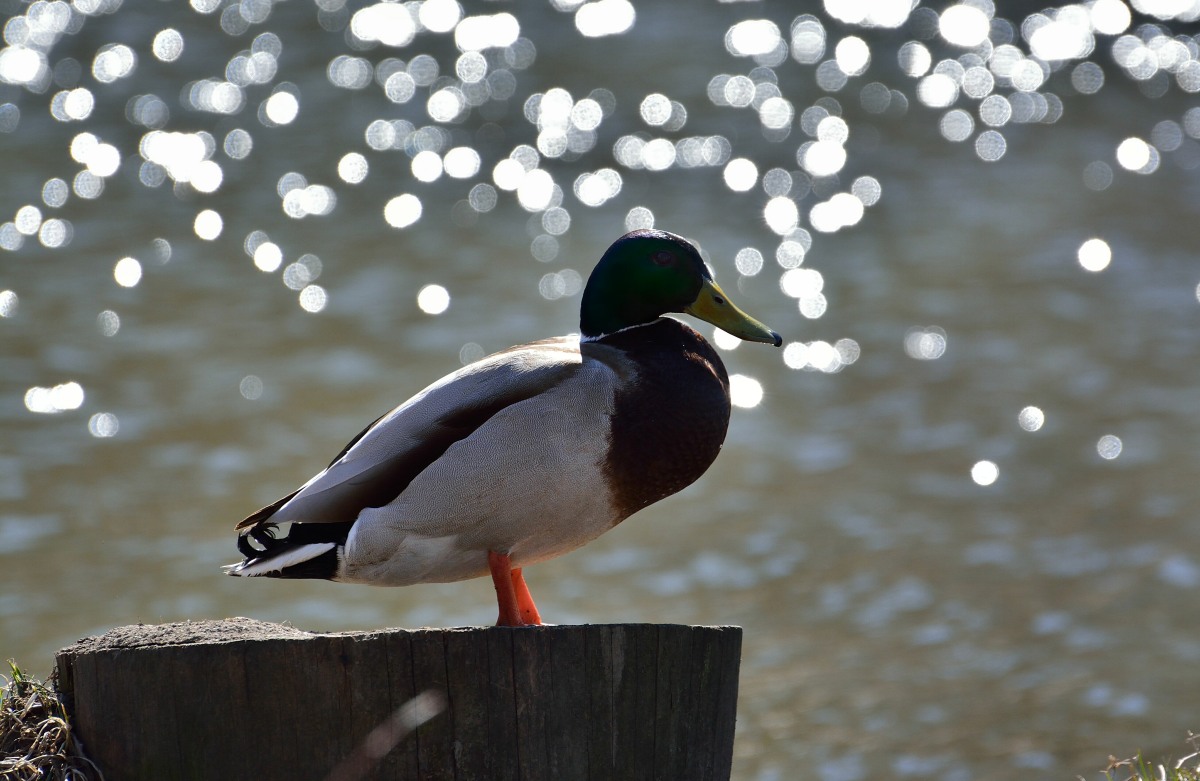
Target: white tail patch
280, 562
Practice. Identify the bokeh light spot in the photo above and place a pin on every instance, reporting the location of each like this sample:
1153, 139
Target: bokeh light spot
208, 225
168, 45
1095, 255
741, 175
985, 473
353, 168
1109, 446
8, 303
964, 25
59, 398
127, 272
745, 391
925, 344
268, 257
604, 17
251, 387
1031, 418
103, 425
402, 211
313, 298
433, 299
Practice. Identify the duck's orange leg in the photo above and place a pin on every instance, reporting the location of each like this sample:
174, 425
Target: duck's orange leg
529, 611
504, 578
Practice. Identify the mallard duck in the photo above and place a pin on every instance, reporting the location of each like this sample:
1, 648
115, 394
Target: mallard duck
528, 453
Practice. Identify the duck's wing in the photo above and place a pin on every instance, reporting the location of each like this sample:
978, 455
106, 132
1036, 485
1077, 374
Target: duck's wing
378, 464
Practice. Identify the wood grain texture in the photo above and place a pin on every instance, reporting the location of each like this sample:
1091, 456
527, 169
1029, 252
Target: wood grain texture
243, 699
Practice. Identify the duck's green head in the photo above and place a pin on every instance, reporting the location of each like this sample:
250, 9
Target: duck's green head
646, 274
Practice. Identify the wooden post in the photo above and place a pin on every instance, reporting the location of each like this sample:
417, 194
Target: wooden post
243, 699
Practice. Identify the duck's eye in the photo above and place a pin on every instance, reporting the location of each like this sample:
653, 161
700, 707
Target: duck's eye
663, 258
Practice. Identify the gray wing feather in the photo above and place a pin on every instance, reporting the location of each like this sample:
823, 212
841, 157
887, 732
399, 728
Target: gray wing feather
377, 466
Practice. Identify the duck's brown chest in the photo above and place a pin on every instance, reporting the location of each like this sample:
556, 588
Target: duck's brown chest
670, 419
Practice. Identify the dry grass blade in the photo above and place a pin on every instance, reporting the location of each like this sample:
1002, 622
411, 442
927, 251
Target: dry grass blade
1138, 769
36, 740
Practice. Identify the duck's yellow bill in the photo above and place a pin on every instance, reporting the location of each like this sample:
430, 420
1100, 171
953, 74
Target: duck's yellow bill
713, 306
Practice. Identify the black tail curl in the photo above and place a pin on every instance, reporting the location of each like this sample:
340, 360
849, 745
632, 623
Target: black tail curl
264, 535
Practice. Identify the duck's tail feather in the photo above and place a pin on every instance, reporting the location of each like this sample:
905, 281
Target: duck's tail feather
310, 550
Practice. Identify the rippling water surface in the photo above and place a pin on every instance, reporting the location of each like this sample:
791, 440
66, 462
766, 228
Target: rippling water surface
955, 514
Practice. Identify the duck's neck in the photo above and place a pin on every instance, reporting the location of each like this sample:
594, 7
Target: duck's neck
603, 312
586, 337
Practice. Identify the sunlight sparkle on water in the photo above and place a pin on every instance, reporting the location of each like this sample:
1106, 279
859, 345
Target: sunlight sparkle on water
391, 24
1067, 37
52, 400
433, 299
823, 158
914, 59
238, 144
852, 55
127, 272
268, 257
741, 175
8, 303
439, 16
821, 356
1134, 154
937, 90
801, 282
28, 220
461, 162
167, 45
536, 190
990, 146
208, 225
281, 108
985, 472
55, 192
841, 211
103, 425
402, 211
112, 62
1094, 255
251, 387
925, 344
353, 168
73, 105
1031, 418
561, 284
483, 197
869, 13
808, 39
1109, 446
745, 391
55, 233
604, 17
752, 37
313, 298
725, 341
748, 261
964, 25
108, 323
475, 33
427, 166
1110, 17
782, 215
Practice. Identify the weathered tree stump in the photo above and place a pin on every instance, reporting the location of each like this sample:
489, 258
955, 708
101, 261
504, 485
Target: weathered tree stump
243, 699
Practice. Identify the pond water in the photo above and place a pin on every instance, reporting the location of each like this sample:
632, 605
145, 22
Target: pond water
955, 514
